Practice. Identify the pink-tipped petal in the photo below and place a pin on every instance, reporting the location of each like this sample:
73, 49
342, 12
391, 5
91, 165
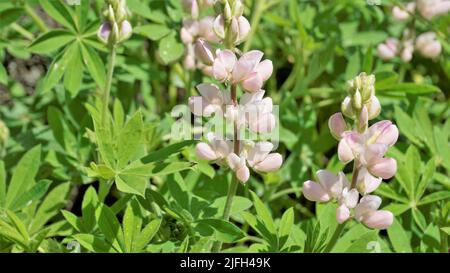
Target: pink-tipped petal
265, 69
243, 174
381, 219
253, 83
342, 214
270, 164
204, 52
337, 125
314, 192
205, 152
384, 168
367, 183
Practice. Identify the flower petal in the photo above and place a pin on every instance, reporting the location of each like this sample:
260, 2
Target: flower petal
315, 192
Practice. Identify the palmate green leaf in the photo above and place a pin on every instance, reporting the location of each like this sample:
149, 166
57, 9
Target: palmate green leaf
19, 226
61, 130
363, 243
419, 218
58, 67
425, 126
110, 227
434, 197
59, 11
94, 64
131, 184
261, 229
349, 237
408, 171
263, 213
170, 49
223, 231
365, 38
142, 8
397, 209
74, 221
130, 140
88, 207
154, 32
10, 233
386, 191
73, 77
10, 15
285, 226
184, 247
166, 152
407, 126
239, 204
430, 239
51, 41
147, 234
441, 136
94, 243
23, 174
50, 206
398, 237
28, 197
427, 178
132, 223
82, 11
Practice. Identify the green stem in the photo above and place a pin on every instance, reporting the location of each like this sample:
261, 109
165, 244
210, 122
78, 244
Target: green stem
283, 193
227, 210
38, 20
234, 183
22, 31
334, 238
107, 89
259, 8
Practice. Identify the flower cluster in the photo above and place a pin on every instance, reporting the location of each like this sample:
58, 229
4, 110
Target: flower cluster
252, 111
117, 28
196, 29
364, 145
426, 43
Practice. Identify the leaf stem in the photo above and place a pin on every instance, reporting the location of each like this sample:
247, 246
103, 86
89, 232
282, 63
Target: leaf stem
107, 89
38, 20
234, 182
334, 238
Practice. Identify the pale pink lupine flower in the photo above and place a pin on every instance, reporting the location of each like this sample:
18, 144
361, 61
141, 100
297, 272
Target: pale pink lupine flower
258, 157
205, 29
330, 186
428, 45
388, 50
367, 212
373, 107
255, 111
348, 200
212, 100
216, 149
353, 144
189, 31
238, 165
223, 65
401, 14
432, 8
407, 51
251, 72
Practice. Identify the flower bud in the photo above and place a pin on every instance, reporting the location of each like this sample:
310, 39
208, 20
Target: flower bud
104, 32
346, 108
115, 34
388, 50
219, 27
238, 8
357, 100
342, 214
227, 11
428, 45
126, 30
204, 52
244, 30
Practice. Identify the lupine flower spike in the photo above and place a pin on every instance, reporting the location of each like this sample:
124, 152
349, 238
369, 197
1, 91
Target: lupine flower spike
364, 145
